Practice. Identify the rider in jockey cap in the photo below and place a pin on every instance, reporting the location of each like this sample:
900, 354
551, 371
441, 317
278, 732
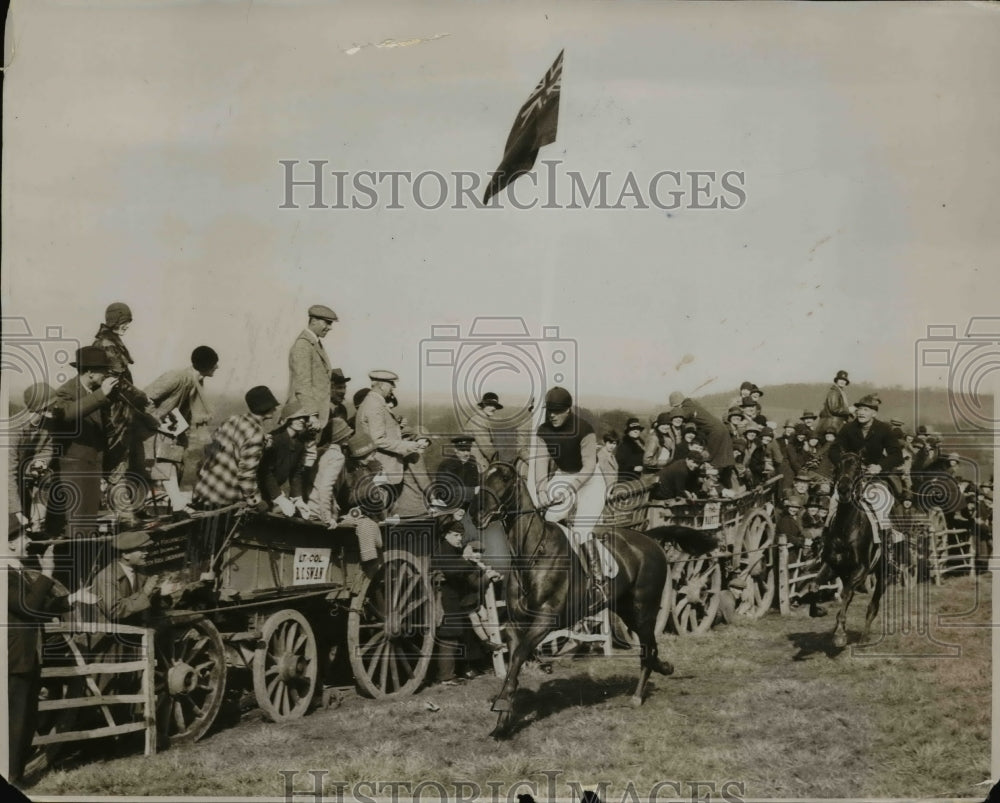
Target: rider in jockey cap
879, 449
565, 469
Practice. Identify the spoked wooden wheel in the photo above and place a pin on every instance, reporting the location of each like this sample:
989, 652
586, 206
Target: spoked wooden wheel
285, 666
390, 627
697, 584
190, 680
753, 581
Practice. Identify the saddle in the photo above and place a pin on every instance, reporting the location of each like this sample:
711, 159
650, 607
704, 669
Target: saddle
608, 563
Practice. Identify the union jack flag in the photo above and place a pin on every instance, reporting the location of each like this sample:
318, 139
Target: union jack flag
534, 127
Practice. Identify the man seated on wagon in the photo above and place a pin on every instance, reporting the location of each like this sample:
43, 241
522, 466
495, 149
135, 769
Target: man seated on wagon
125, 593
679, 480
283, 463
458, 474
365, 497
417, 495
228, 472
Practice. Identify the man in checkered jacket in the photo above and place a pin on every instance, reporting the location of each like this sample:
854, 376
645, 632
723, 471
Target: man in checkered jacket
228, 474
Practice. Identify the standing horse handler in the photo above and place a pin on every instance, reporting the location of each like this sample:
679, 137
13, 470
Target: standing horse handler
574, 491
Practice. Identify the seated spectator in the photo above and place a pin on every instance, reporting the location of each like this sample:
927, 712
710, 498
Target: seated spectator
630, 452
689, 442
679, 479
458, 475
228, 472
329, 472
284, 461
365, 496
125, 593
660, 447
808, 418
788, 523
606, 462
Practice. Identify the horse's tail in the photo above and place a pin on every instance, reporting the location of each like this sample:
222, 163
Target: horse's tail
689, 540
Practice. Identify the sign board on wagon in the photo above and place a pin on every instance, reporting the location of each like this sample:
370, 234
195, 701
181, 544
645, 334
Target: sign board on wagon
310, 566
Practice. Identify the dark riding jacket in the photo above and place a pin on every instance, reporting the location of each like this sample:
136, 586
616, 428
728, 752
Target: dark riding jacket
881, 446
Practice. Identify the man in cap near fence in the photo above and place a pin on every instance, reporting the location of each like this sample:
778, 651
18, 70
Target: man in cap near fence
125, 593
179, 395
81, 440
228, 473
32, 599
376, 420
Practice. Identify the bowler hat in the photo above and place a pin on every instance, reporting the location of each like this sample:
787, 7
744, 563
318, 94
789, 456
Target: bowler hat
39, 397
870, 401
260, 400
767, 432
842, 375
91, 358
383, 376
360, 445
807, 414
558, 399
117, 313
323, 312
490, 400
635, 423
747, 403
340, 430
337, 377
132, 540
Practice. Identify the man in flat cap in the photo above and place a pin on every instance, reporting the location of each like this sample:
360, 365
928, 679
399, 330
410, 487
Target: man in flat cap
309, 366
228, 472
125, 593
376, 420
82, 438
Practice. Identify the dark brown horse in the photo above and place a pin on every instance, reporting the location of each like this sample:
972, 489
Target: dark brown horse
849, 548
546, 589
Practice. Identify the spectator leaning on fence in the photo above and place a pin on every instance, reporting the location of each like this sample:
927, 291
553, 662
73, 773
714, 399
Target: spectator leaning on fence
228, 473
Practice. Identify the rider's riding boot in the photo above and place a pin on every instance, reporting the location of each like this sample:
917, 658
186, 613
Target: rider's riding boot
598, 590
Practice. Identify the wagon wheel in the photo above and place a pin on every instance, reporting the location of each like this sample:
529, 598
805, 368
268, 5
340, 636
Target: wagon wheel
697, 583
390, 627
754, 579
285, 666
190, 680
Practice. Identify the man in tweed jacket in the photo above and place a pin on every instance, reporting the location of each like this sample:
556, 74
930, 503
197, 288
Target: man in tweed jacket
228, 474
309, 364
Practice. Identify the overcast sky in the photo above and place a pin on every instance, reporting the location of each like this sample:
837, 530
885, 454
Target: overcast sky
141, 164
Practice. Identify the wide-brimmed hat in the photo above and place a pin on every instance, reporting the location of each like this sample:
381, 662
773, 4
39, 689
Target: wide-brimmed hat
807, 414
490, 400
39, 397
295, 409
736, 410
260, 400
800, 477
767, 432
337, 377
756, 390
91, 358
871, 401
842, 375
132, 540
635, 423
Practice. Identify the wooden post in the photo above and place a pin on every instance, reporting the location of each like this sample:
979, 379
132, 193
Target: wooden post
784, 592
492, 627
149, 690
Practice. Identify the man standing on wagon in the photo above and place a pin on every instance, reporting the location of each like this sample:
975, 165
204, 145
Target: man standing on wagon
309, 371
376, 421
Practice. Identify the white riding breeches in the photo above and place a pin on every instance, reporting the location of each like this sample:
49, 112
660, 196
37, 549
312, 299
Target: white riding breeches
587, 501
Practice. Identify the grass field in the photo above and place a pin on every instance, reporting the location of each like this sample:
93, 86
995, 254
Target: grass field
767, 707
